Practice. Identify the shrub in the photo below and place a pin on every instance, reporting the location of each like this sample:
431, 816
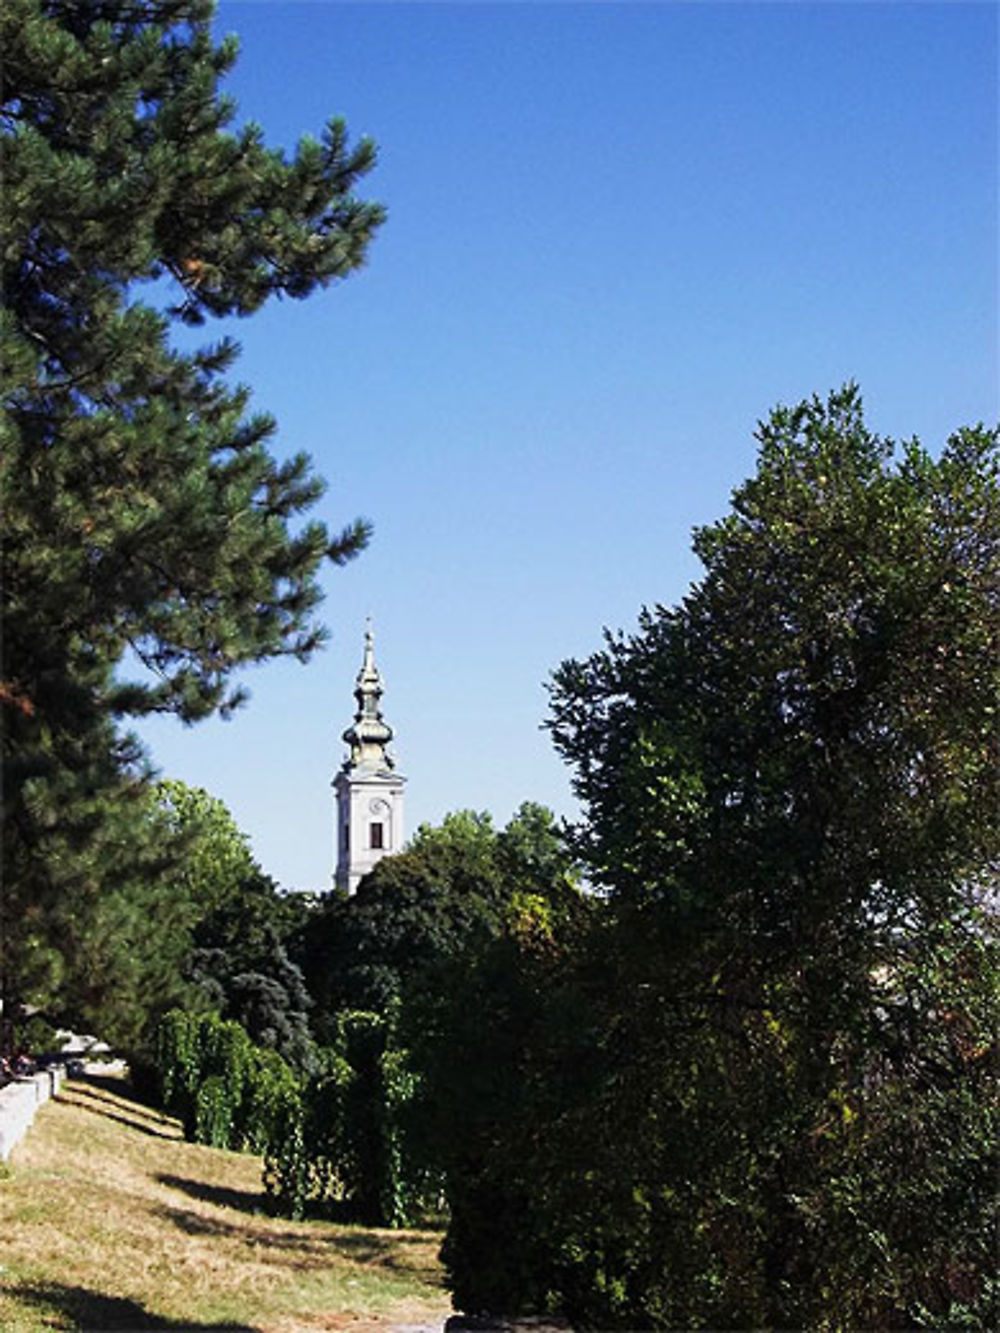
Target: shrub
227, 1092
348, 1152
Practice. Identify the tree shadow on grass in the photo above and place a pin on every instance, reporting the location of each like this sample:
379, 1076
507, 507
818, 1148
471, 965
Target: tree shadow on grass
200, 1224
301, 1241
118, 1085
141, 1119
99, 1313
302, 1245
244, 1201
363, 1244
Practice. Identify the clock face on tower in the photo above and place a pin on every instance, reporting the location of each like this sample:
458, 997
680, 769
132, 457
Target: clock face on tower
378, 806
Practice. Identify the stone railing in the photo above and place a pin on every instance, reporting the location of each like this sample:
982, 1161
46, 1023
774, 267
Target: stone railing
20, 1099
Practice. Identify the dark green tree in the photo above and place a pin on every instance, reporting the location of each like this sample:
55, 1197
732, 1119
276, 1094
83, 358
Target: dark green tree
186, 917
780, 1111
151, 541
394, 971
234, 957
500, 1043
112, 949
442, 897
413, 909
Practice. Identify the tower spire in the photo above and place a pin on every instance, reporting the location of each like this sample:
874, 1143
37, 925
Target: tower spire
370, 734
369, 790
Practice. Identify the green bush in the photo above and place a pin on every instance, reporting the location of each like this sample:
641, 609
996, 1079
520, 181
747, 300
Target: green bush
271, 1102
214, 1113
227, 1092
35, 1035
339, 1143
635, 1157
348, 1152
178, 1064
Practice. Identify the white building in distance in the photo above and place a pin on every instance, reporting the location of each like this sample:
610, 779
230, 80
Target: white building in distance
369, 790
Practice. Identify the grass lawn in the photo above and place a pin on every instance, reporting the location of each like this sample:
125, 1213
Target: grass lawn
109, 1220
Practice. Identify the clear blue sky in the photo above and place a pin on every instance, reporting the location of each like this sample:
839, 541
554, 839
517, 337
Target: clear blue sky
618, 234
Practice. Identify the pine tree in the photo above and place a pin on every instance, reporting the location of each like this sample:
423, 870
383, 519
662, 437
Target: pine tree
144, 519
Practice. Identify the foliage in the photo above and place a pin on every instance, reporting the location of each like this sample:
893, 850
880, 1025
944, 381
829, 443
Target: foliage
774, 1105
273, 1099
152, 544
193, 923
226, 1092
34, 1035
333, 1143
496, 1044
235, 954
370, 1144
106, 945
426, 907
348, 1154
532, 856
241, 964
217, 860
272, 1007
178, 1058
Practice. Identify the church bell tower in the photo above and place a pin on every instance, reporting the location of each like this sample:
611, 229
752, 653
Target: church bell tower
369, 790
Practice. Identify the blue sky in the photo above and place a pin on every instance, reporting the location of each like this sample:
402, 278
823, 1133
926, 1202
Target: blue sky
618, 234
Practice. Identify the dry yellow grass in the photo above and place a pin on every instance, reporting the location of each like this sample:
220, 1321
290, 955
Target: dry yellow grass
109, 1220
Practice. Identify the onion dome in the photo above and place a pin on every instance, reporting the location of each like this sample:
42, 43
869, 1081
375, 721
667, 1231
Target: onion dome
370, 734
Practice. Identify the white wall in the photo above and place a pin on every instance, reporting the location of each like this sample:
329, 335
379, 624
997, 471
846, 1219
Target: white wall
367, 800
20, 1100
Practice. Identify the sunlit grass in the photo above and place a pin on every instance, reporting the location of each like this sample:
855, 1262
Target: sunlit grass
109, 1220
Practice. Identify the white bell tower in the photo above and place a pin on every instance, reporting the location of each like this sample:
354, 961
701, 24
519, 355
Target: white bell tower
369, 790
